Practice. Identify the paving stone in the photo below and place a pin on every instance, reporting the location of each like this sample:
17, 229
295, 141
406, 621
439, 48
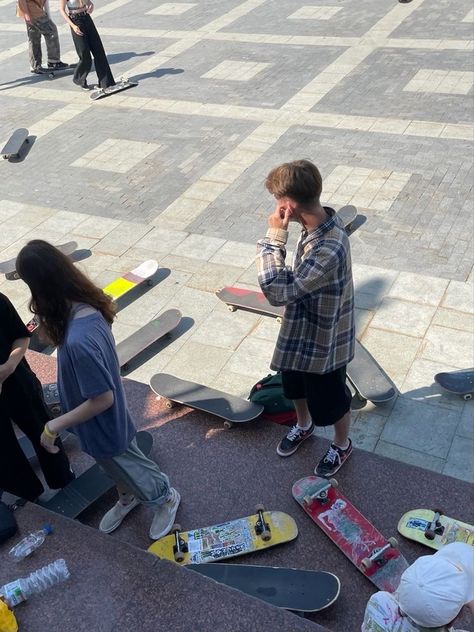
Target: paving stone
403, 317
460, 462
418, 288
452, 347
406, 455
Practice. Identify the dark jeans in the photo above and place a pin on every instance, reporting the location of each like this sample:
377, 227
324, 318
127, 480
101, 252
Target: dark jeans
23, 404
87, 45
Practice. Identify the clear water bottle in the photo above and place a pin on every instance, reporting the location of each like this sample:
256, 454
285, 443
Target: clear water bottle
21, 589
29, 544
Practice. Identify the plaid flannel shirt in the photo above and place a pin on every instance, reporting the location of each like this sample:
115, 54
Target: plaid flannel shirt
317, 333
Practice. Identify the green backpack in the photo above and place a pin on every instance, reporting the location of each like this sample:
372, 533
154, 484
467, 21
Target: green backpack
268, 392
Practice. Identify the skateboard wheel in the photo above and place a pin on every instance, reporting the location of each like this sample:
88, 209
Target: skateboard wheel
266, 535
430, 534
467, 396
149, 282
228, 424
179, 557
51, 75
279, 320
231, 308
365, 563
259, 507
176, 527
125, 366
333, 482
169, 404
393, 542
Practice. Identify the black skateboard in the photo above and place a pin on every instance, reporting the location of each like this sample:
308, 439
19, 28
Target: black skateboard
368, 379
91, 485
15, 143
8, 268
146, 336
457, 382
289, 588
228, 407
52, 72
123, 84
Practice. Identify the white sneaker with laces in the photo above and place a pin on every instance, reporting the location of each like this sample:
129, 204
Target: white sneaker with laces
165, 516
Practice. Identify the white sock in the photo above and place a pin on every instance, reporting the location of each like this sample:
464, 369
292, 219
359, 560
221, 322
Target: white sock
344, 447
306, 426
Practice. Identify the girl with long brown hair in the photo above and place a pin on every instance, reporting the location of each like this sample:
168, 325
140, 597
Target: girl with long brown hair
77, 316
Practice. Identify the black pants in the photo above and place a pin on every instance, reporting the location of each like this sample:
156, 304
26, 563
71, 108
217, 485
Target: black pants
87, 45
22, 403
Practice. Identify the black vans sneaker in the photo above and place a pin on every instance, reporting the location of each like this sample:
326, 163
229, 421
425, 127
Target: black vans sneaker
293, 440
332, 460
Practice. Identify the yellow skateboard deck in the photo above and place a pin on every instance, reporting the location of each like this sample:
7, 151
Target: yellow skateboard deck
419, 525
228, 539
131, 279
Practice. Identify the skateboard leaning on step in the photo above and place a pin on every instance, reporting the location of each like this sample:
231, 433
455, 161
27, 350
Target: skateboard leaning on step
227, 539
457, 382
8, 268
13, 145
289, 588
89, 486
379, 559
432, 528
159, 327
123, 84
230, 408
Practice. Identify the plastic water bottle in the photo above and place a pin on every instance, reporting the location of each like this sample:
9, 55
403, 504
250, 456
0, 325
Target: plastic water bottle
21, 589
29, 544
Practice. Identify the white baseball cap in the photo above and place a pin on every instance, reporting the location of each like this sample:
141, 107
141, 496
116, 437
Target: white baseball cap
434, 588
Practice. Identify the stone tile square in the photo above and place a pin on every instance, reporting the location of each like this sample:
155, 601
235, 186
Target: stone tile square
199, 247
403, 317
466, 425
252, 356
441, 82
235, 253
449, 346
232, 70
418, 288
314, 13
171, 8
116, 155
225, 330
412, 457
459, 296
198, 362
460, 462
395, 352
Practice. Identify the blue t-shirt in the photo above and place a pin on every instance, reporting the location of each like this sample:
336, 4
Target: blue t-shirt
87, 367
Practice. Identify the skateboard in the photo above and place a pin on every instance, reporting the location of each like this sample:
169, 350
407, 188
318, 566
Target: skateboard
434, 529
228, 539
15, 143
123, 84
376, 557
8, 268
89, 486
229, 407
52, 72
249, 300
368, 379
289, 588
457, 382
118, 288
146, 336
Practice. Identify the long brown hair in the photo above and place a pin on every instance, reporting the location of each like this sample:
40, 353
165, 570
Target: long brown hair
55, 283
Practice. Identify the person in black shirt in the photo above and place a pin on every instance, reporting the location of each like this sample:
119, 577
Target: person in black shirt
21, 401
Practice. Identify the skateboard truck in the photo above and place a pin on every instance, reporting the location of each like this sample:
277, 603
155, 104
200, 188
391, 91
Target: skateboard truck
435, 527
322, 494
376, 557
180, 547
262, 528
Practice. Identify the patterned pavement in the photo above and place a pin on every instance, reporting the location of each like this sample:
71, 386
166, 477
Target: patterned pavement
378, 94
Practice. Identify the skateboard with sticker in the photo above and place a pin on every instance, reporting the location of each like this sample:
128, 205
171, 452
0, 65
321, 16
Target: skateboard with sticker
123, 84
432, 528
8, 268
289, 588
230, 408
378, 558
457, 382
15, 143
89, 486
227, 539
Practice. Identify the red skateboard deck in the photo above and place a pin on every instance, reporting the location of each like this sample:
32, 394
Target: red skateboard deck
376, 557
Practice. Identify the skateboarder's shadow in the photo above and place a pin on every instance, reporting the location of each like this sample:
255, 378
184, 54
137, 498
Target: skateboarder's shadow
116, 58
159, 72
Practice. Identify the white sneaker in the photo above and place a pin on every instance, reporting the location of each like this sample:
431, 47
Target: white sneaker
165, 515
113, 518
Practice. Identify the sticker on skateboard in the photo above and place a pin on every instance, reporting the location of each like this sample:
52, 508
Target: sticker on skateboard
15, 143
227, 539
123, 84
8, 268
376, 557
434, 529
209, 400
159, 327
457, 382
89, 486
289, 588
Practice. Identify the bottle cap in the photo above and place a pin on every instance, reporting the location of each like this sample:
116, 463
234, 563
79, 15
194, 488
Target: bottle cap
48, 529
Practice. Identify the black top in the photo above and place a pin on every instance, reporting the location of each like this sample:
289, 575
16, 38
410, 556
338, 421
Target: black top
11, 328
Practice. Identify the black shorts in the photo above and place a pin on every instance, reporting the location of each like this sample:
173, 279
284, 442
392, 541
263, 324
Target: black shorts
327, 394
